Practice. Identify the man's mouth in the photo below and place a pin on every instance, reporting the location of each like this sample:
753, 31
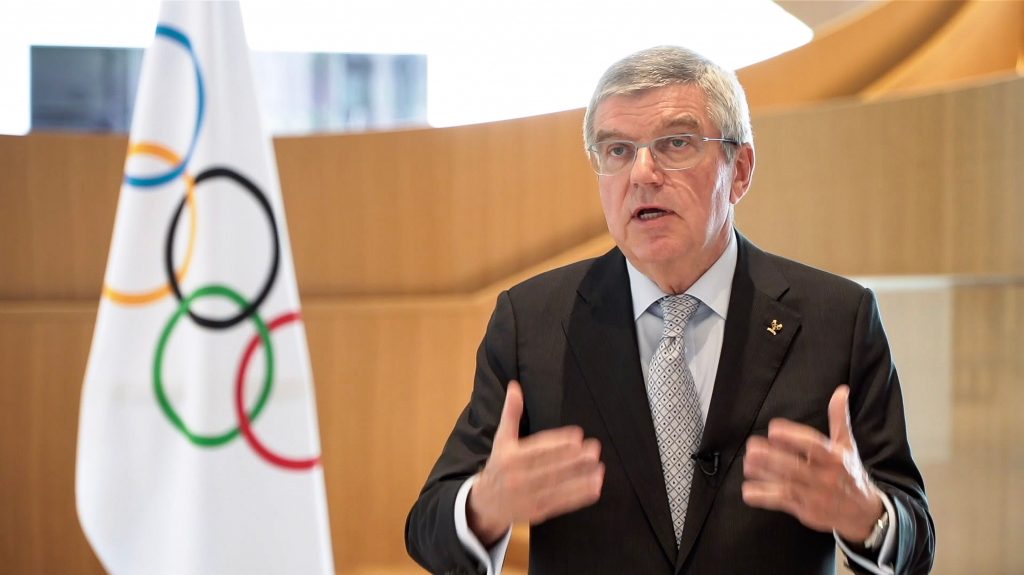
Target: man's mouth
650, 214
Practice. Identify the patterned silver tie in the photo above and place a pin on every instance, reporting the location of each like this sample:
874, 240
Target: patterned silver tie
675, 406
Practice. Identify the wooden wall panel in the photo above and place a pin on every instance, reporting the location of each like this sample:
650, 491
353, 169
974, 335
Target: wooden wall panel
436, 211
924, 184
984, 165
57, 200
43, 350
390, 384
850, 188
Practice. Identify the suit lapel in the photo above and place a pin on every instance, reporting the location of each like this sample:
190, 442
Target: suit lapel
751, 357
602, 335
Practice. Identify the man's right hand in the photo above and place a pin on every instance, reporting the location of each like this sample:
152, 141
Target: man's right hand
547, 474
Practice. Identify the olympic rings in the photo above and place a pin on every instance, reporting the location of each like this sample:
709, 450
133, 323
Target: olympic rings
165, 404
275, 261
243, 419
150, 181
179, 167
139, 298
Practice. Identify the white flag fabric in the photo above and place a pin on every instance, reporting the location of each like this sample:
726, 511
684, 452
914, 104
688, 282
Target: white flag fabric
198, 448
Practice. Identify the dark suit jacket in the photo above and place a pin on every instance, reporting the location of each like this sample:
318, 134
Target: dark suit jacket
569, 337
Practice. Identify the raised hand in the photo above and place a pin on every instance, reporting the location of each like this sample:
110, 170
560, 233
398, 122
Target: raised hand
532, 479
819, 480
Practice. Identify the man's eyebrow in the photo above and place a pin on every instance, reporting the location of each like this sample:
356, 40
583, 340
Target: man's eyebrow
687, 121
684, 121
603, 135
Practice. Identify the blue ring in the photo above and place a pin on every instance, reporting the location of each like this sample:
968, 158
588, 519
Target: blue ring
176, 171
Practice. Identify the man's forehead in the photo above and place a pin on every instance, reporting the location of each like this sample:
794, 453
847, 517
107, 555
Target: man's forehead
678, 124
679, 107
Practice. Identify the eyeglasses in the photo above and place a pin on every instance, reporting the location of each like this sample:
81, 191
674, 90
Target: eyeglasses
675, 152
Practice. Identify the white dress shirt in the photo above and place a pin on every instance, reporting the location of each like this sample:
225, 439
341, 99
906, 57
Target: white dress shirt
702, 348
702, 338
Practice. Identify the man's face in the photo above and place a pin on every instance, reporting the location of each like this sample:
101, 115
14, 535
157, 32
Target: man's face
664, 220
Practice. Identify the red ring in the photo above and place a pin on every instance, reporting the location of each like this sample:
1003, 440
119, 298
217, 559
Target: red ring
243, 417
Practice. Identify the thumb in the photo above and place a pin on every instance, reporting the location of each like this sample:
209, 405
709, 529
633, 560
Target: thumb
508, 427
839, 417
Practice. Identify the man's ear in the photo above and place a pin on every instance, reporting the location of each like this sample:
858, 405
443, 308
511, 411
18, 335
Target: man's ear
743, 172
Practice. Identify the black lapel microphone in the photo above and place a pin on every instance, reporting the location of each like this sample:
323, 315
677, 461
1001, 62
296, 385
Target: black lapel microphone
708, 462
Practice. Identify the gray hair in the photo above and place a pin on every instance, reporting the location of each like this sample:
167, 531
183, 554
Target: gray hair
669, 65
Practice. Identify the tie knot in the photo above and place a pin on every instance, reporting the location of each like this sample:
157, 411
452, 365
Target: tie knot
677, 310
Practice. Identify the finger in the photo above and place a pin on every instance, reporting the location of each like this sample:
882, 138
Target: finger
764, 461
557, 449
569, 435
511, 413
770, 495
755, 445
570, 495
839, 417
799, 439
566, 468
774, 497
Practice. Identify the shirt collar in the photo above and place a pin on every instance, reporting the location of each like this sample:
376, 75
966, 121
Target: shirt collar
713, 289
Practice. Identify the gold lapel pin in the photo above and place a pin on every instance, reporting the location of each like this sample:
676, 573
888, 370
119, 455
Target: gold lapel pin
775, 328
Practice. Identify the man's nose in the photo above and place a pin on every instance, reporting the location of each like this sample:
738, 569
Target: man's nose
645, 170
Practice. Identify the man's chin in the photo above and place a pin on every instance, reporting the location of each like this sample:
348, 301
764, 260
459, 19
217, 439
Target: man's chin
657, 254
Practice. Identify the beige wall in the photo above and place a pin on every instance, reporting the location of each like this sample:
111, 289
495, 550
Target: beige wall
918, 184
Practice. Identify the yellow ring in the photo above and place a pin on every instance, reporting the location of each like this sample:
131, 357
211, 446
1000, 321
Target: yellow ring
139, 298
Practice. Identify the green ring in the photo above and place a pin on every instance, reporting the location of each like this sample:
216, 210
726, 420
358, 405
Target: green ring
210, 440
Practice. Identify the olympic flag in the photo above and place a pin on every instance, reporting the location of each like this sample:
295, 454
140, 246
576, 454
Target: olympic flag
198, 448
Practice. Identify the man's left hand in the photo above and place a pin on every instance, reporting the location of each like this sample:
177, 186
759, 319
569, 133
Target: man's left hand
819, 480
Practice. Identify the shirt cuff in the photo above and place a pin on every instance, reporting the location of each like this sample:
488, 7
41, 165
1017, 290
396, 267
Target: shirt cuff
884, 565
492, 559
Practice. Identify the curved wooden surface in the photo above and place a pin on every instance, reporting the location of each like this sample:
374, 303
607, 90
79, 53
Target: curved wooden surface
894, 48
981, 39
842, 61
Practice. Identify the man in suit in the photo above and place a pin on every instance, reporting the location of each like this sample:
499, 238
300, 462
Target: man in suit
686, 403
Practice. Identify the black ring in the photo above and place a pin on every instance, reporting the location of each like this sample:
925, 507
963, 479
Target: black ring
221, 172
